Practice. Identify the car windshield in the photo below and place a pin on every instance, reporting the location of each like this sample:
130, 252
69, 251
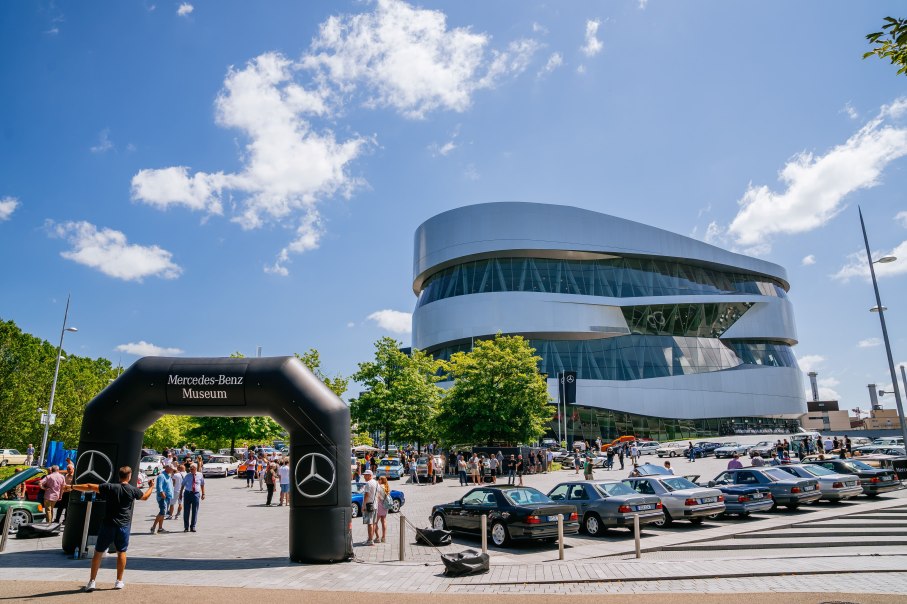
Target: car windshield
525, 496
858, 465
389, 462
778, 474
678, 483
149, 458
818, 470
219, 459
611, 489
726, 445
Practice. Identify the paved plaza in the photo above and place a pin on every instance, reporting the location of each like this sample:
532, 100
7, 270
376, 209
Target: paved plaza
854, 547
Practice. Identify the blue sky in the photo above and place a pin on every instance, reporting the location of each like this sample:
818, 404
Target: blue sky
205, 177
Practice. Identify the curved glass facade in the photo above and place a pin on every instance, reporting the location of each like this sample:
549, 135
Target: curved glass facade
691, 320
637, 357
589, 423
616, 278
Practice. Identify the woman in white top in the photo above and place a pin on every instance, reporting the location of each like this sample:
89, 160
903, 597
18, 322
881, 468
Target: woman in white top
177, 486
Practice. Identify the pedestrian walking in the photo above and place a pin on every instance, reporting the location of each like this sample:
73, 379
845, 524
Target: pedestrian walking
30, 454
382, 507
620, 455
493, 467
177, 502
692, 458
283, 473
271, 477
53, 485
461, 470
413, 470
163, 494
193, 493
587, 467
520, 468
369, 513
474, 468
511, 470
114, 529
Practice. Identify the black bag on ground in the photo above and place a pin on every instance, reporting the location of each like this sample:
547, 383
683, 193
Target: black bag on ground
467, 562
36, 530
430, 536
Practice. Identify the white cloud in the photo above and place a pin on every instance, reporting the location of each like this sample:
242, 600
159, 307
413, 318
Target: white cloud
147, 349
308, 236
108, 251
850, 111
351, 324
406, 58
554, 61
538, 28
185, 9
447, 147
470, 172
902, 218
869, 343
8, 205
817, 186
810, 362
393, 320
592, 45
104, 142
808, 260
580, 69
856, 265
642, 4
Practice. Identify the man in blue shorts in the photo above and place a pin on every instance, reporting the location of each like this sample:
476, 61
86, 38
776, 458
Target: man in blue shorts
117, 519
163, 489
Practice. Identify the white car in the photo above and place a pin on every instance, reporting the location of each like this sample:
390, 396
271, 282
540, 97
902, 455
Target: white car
220, 465
674, 449
11, 457
152, 465
649, 447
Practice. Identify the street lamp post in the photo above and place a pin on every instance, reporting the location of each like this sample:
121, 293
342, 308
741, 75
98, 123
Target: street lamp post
53, 388
881, 310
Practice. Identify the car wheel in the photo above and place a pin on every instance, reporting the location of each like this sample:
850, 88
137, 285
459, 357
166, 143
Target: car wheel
18, 517
593, 525
792, 506
395, 505
354, 511
3, 463
499, 535
673, 454
696, 520
668, 520
438, 523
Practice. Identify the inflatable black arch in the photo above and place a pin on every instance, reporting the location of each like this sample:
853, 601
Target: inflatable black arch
281, 387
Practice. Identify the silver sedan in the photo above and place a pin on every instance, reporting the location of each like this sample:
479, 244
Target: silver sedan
682, 499
608, 503
834, 486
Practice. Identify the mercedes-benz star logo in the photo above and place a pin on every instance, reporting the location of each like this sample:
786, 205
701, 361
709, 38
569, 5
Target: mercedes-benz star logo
96, 467
570, 379
307, 474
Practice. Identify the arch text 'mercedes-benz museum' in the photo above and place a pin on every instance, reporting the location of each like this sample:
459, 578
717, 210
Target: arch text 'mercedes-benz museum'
669, 337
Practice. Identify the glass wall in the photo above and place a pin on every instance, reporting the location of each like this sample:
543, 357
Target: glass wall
589, 423
692, 320
638, 357
617, 278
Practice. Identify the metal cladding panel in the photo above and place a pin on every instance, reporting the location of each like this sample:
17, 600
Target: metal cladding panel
768, 319
494, 227
743, 392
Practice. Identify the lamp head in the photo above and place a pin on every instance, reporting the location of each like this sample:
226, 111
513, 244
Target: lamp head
72, 329
876, 309
886, 259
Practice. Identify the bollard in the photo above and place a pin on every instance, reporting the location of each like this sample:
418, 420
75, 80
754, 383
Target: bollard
7, 520
84, 545
636, 534
484, 534
560, 536
402, 536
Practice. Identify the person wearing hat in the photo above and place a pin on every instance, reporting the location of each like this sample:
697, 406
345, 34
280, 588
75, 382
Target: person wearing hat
369, 506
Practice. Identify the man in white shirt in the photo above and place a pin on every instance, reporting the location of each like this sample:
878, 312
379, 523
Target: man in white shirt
177, 488
284, 472
369, 506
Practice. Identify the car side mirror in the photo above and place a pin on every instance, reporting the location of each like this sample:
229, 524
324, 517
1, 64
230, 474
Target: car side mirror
711, 483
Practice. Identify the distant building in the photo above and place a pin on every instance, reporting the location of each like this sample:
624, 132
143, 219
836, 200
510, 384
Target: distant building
825, 415
670, 337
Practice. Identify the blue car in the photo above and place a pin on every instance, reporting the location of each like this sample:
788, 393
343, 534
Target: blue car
744, 500
397, 499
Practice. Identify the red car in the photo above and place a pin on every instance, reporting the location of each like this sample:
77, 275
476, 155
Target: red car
33, 488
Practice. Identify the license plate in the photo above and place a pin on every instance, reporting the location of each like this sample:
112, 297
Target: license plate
852, 483
758, 495
809, 488
709, 499
647, 506
551, 518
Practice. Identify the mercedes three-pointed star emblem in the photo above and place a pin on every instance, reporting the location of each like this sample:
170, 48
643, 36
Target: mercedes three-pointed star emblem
307, 474
98, 463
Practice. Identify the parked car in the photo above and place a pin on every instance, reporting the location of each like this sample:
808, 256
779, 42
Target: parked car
513, 512
606, 503
743, 500
549, 443
649, 447
674, 449
560, 454
728, 450
220, 465
787, 490
698, 452
708, 448
874, 481
834, 486
33, 485
20, 511
764, 448
888, 440
881, 450
152, 465
682, 499
392, 468
397, 499
11, 457
422, 468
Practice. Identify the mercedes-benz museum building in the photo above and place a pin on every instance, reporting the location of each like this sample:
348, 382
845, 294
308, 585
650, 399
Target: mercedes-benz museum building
669, 337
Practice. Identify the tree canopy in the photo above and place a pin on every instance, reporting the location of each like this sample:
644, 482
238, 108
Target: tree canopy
401, 393
498, 395
890, 43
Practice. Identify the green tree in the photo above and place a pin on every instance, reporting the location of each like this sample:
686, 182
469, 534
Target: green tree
498, 395
312, 359
401, 394
890, 43
362, 438
169, 431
